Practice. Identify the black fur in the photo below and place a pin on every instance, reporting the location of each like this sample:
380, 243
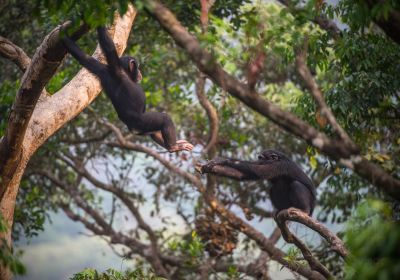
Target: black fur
119, 81
290, 186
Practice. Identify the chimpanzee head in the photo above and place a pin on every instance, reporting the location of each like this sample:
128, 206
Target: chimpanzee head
131, 66
272, 155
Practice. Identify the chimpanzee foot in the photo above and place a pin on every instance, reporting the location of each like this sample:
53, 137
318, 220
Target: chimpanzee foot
181, 145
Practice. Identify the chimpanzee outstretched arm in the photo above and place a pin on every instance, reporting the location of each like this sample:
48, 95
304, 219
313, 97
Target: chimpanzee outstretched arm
231, 168
248, 170
85, 60
109, 50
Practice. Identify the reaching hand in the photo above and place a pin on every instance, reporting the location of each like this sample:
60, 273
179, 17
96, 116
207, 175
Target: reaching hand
207, 168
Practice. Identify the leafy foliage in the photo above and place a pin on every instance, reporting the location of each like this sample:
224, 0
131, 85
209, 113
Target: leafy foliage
373, 238
357, 72
112, 274
7, 257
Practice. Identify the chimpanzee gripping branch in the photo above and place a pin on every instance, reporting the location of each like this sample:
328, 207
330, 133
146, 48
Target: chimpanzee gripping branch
266, 244
336, 149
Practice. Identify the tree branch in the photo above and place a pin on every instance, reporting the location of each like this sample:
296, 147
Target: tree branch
292, 238
307, 77
264, 243
106, 229
119, 193
43, 66
14, 53
296, 215
335, 149
125, 144
211, 113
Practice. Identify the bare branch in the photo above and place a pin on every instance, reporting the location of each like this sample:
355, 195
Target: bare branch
118, 192
105, 228
14, 53
275, 235
125, 144
201, 83
335, 149
255, 67
211, 113
263, 242
296, 215
292, 238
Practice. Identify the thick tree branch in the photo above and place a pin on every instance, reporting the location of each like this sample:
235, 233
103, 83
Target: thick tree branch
14, 53
50, 114
43, 66
335, 149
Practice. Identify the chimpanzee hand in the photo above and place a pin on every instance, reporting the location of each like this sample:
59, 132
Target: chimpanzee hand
207, 168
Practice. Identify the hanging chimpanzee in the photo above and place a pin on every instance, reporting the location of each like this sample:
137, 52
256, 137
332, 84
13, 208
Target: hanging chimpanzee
290, 186
119, 79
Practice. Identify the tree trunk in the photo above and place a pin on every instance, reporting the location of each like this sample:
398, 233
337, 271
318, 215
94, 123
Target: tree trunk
50, 114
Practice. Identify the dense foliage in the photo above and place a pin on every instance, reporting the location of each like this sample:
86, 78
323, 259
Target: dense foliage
357, 71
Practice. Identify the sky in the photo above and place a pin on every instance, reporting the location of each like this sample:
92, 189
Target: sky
62, 250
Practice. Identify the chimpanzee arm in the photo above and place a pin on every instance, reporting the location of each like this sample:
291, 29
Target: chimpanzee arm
109, 50
224, 171
85, 60
231, 168
249, 170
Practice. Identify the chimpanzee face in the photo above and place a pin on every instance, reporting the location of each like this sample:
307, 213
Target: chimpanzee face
271, 155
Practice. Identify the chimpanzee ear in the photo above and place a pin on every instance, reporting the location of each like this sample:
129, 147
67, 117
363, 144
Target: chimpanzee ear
131, 65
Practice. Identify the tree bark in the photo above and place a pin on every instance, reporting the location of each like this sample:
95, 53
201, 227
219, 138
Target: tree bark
49, 115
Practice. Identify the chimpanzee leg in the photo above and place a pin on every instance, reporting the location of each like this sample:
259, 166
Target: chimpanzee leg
300, 197
153, 122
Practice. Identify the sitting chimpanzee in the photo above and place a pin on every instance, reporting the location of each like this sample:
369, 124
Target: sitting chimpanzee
290, 186
119, 79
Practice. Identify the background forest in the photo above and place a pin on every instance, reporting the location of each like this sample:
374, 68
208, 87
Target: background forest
317, 80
